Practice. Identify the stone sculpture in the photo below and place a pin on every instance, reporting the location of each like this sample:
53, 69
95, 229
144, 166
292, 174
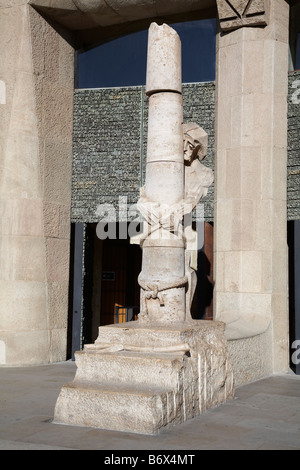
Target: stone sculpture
162, 218
164, 368
198, 179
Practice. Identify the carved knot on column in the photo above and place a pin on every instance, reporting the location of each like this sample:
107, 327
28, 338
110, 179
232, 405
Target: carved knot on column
154, 290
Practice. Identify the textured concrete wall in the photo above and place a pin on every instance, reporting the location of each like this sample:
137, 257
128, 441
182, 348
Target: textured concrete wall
294, 146
36, 116
110, 143
106, 147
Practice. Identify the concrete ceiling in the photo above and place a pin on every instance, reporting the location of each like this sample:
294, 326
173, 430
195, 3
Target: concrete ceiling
93, 22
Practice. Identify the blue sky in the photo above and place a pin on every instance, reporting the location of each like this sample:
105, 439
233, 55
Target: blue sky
122, 62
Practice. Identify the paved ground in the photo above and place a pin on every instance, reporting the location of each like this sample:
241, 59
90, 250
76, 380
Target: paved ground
265, 415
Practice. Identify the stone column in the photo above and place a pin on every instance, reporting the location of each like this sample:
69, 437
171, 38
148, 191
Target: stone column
36, 72
163, 251
251, 165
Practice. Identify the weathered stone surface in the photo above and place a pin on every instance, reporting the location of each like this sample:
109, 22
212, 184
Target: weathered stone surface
163, 286
36, 116
164, 60
235, 14
144, 379
176, 181
250, 258
83, 14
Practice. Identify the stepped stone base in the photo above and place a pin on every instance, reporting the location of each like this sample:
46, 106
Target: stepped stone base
143, 379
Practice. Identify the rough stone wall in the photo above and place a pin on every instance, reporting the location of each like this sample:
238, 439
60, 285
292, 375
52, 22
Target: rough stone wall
110, 144
199, 107
294, 146
106, 148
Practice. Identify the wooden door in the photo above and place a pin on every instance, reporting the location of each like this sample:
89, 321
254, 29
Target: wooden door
113, 287
121, 265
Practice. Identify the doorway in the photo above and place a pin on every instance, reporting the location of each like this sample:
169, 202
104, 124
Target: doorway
120, 292
294, 294
104, 287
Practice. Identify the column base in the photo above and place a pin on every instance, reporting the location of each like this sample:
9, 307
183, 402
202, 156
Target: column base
143, 379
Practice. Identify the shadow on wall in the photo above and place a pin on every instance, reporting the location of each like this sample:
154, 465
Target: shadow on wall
202, 308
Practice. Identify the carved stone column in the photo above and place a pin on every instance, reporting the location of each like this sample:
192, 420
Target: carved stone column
163, 250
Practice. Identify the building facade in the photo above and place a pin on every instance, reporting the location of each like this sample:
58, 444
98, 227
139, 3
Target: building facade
250, 141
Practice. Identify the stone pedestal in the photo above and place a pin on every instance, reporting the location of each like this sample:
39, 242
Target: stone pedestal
144, 379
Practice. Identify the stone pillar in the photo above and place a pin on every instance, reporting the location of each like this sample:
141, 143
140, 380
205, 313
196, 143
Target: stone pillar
251, 165
163, 251
36, 72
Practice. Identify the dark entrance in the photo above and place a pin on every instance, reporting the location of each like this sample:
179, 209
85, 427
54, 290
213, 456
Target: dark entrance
294, 293
103, 282
120, 292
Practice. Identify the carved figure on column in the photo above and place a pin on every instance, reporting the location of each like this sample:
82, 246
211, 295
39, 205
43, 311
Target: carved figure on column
198, 179
169, 218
